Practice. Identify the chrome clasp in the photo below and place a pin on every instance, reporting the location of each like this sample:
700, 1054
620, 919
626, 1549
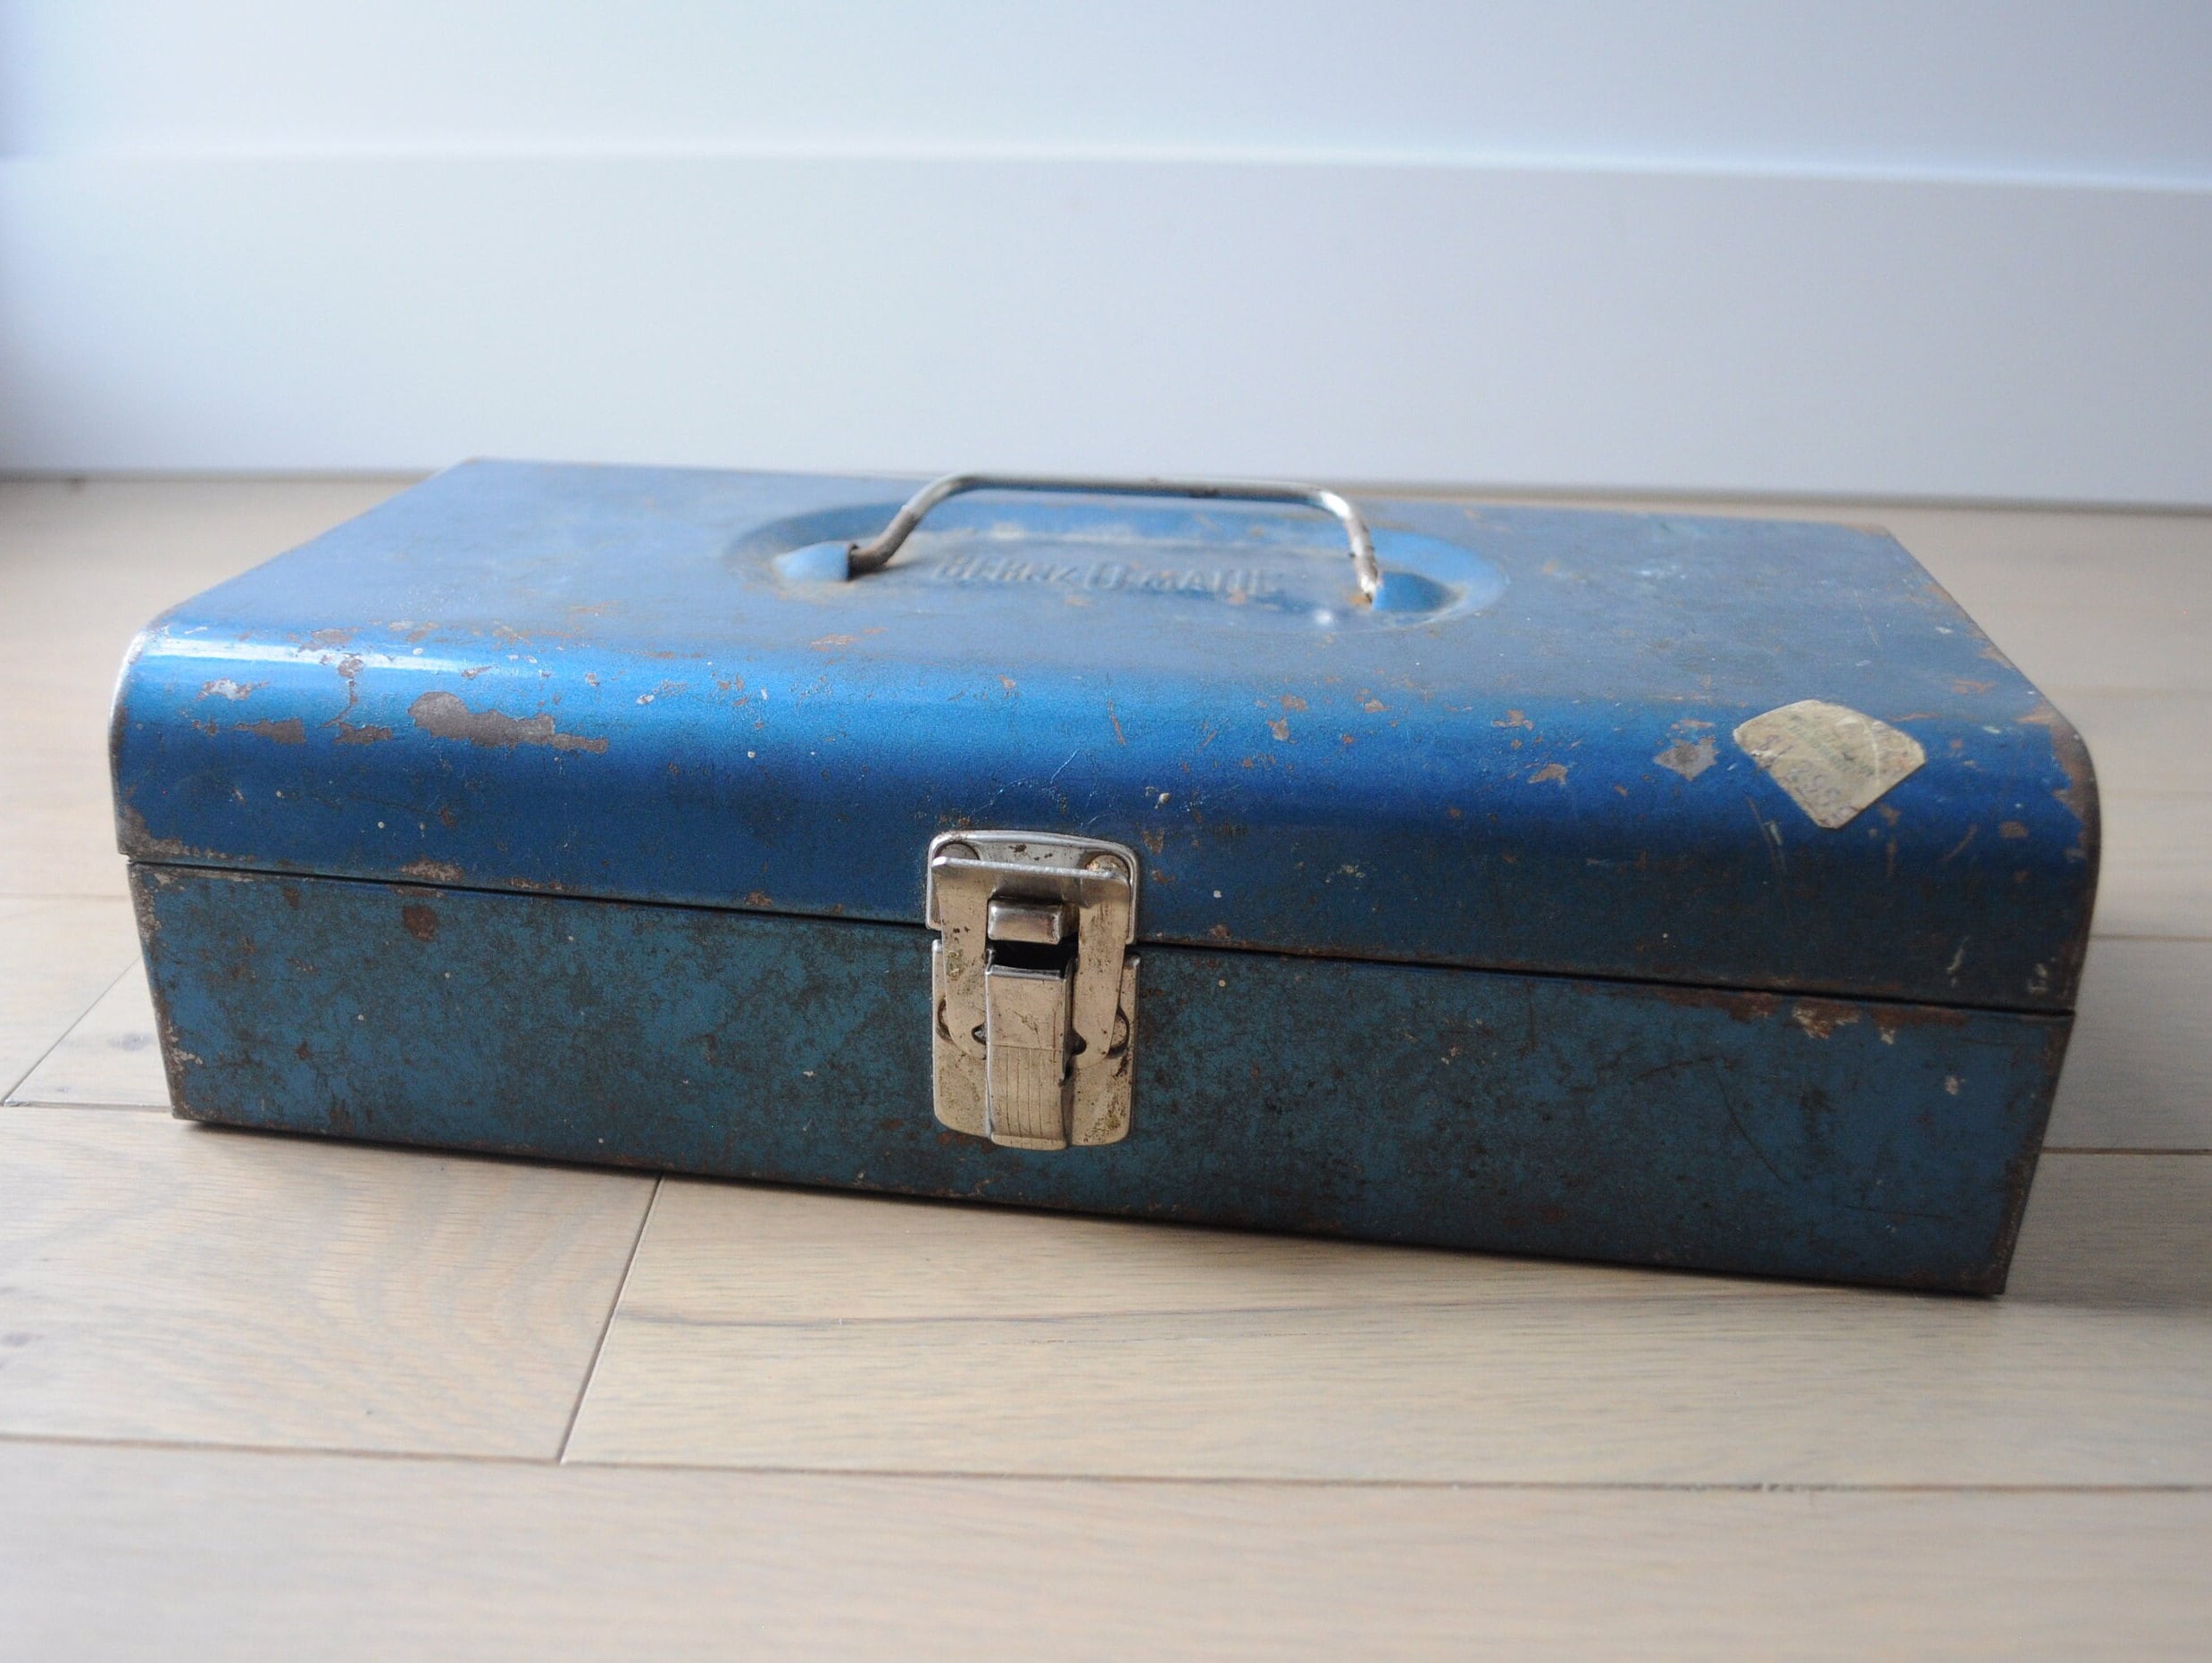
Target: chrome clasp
1033, 988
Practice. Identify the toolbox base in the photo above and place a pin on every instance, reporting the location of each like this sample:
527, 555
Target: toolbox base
1852, 1140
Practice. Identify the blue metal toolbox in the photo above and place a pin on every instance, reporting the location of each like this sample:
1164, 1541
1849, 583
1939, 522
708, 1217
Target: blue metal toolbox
1665, 890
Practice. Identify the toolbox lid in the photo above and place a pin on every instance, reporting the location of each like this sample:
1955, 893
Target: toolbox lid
1725, 753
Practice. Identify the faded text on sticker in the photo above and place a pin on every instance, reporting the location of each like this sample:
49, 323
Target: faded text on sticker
1833, 760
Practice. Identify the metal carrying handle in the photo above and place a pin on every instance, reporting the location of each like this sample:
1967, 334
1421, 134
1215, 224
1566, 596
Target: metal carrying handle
874, 554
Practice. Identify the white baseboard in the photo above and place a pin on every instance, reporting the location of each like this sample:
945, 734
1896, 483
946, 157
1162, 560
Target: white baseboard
1570, 328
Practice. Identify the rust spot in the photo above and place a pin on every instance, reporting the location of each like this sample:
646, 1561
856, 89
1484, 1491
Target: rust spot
290, 731
302, 1052
1219, 931
1512, 719
822, 641
1155, 839
140, 844
1115, 724
443, 715
2067, 749
420, 921
1687, 759
1743, 1006
2011, 830
329, 638
1279, 727
1374, 706
1890, 1020
1962, 684
366, 733
1551, 773
1291, 701
1820, 1017
758, 898
433, 871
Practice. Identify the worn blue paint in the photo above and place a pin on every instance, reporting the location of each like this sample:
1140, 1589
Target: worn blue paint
1850, 1139
598, 682
561, 811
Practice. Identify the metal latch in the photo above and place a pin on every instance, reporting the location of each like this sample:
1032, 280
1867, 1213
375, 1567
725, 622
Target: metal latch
1033, 986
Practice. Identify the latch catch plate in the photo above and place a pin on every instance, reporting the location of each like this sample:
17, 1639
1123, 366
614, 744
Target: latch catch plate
1033, 987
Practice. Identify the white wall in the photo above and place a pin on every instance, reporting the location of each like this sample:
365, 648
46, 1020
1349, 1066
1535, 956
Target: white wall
1955, 249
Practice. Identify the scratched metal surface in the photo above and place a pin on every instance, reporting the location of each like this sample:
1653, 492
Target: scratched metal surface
596, 681
1859, 1142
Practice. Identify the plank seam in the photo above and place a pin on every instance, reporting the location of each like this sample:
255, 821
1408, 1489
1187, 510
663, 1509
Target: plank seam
106, 988
1152, 1480
606, 1323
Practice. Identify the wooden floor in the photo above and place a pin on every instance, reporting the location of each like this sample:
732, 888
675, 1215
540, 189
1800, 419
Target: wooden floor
263, 1397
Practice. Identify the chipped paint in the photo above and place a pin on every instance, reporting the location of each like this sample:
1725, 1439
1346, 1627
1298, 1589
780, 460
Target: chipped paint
2079, 794
284, 731
433, 871
223, 687
1742, 1006
1688, 759
444, 715
1550, 773
1820, 1018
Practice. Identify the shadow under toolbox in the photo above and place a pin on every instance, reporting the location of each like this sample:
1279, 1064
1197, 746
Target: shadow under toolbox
1666, 890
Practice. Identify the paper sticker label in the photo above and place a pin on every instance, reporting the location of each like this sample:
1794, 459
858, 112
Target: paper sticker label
1832, 760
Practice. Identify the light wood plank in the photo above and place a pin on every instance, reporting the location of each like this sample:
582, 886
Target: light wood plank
83, 565
216, 1555
2078, 560
2138, 1068
57, 959
2062, 649
113, 1057
163, 1280
775, 1329
2155, 879
2146, 744
2124, 1232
